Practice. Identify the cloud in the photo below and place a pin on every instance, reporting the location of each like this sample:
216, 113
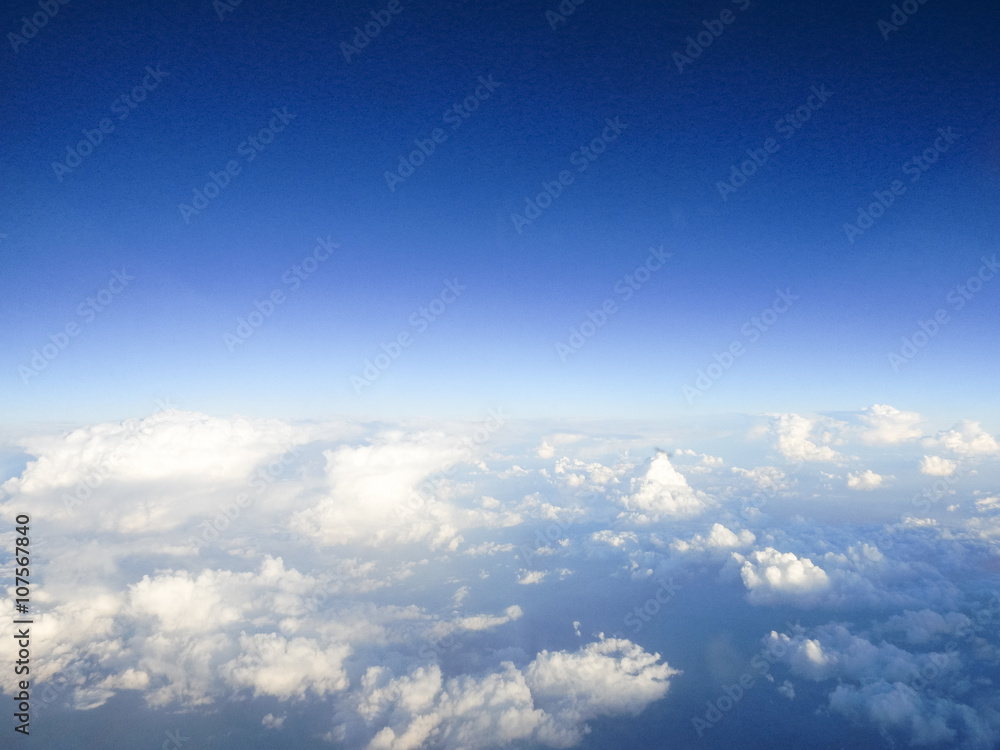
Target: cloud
796, 441
770, 575
287, 668
719, 538
889, 426
926, 624
606, 536
866, 480
936, 466
662, 493
528, 577
395, 489
918, 696
763, 477
155, 474
967, 438
546, 703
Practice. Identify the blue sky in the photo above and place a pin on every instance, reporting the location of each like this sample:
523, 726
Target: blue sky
655, 184
419, 349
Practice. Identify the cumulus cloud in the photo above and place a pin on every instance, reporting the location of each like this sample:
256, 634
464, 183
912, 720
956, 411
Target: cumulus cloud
528, 577
889, 687
865, 480
546, 703
286, 668
155, 474
935, 466
802, 438
967, 438
381, 619
926, 624
662, 492
394, 489
770, 575
719, 538
763, 477
886, 425
620, 539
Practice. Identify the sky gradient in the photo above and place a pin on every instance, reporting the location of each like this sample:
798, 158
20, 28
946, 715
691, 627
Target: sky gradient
348, 123
463, 375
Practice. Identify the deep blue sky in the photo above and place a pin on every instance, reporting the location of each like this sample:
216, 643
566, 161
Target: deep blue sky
656, 184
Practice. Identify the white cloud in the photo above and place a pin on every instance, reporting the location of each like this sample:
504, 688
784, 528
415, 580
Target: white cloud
763, 477
546, 703
796, 441
866, 480
967, 438
287, 668
489, 548
392, 490
662, 492
719, 538
769, 575
889, 426
528, 577
270, 721
935, 466
621, 539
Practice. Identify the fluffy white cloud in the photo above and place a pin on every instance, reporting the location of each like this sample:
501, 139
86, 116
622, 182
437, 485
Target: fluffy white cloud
547, 703
796, 439
719, 538
865, 480
170, 445
967, 438
620, 539
935, 466
887, 425
662, 492
528, 577
770, 575
395, 489
153, 475
286, 668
